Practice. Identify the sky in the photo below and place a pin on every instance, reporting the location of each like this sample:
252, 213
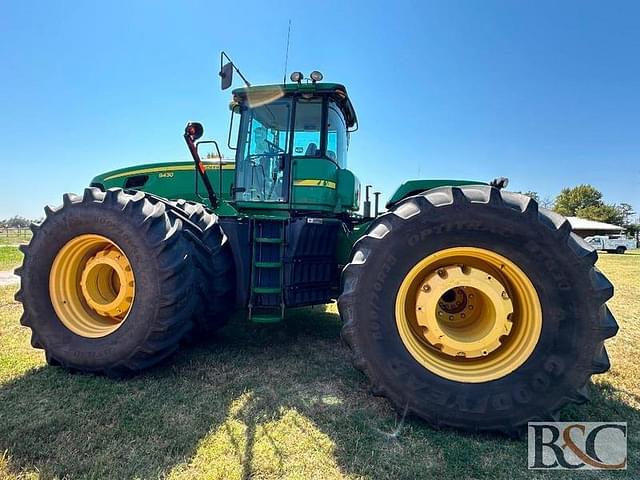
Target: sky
546, 93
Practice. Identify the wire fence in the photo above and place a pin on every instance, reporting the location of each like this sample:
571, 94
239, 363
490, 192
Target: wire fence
15, 231
14, 235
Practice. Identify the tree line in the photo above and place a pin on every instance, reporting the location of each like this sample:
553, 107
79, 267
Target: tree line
585, 201
16, 222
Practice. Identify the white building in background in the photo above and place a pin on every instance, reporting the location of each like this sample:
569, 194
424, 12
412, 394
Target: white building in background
587, 228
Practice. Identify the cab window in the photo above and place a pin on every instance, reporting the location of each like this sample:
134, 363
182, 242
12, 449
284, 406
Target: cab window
337, 140
308, 128
261, 152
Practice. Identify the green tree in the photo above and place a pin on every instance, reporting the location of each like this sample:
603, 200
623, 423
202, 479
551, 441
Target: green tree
626, 210
570, 200
633, 230
601, 213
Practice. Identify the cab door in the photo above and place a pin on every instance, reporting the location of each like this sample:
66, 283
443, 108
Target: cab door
313, 174
262, 158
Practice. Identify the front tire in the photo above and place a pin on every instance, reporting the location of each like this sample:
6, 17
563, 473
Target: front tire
107, 283
542, 298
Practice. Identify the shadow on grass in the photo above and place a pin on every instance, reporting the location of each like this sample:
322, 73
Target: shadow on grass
253, 389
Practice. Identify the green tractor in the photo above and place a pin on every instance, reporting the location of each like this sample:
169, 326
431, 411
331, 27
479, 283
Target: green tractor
464, 304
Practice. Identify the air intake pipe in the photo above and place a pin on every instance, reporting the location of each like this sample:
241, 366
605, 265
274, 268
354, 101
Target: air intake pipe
367, 202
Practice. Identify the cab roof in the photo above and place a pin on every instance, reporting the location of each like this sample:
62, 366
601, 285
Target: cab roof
336, 90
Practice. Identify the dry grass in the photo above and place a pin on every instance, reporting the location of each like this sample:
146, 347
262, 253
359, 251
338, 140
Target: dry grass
267, 402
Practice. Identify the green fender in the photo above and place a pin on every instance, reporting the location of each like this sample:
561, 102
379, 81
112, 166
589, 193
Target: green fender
414, 187
411, 187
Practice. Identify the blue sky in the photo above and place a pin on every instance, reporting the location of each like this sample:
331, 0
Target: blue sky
543, 92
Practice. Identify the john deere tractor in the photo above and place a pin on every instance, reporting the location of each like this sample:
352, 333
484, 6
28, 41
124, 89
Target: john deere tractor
464, 304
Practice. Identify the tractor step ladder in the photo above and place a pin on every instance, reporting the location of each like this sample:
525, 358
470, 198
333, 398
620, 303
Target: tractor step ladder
266, 299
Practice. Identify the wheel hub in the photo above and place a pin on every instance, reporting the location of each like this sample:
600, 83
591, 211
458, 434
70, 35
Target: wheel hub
463, 311
468, 314
107, 283
91, 286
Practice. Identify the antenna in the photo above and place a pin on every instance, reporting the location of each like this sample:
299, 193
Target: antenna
286, 56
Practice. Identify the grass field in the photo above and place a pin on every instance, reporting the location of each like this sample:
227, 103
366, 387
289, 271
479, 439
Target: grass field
10, 257
280, 402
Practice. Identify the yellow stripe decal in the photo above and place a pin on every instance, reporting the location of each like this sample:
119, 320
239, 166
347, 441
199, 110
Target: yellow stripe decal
208, 166
314, 183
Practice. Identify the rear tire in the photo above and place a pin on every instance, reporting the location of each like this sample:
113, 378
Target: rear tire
151, 238
558, 264
214, 270
620, 250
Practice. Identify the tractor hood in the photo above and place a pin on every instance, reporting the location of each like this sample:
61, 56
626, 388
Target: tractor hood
171, 180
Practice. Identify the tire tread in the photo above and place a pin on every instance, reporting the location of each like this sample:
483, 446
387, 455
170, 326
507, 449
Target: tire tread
528, 208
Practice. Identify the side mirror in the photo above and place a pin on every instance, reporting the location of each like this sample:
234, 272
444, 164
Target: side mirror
194, 130
226, 75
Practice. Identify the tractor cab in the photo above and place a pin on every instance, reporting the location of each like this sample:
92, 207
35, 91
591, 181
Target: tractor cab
291, 149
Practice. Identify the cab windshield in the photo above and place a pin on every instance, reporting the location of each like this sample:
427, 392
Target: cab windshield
263, 144
270, 136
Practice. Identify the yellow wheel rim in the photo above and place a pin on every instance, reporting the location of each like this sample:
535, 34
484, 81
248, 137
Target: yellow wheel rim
92, 286
468, 314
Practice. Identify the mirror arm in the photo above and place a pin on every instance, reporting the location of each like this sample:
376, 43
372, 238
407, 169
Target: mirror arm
193, 149
223, 55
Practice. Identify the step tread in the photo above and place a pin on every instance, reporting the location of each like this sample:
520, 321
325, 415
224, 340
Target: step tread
267, 290
268, 264
265, 318
268, 240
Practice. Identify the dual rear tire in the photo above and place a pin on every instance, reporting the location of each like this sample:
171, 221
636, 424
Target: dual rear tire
112, 281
